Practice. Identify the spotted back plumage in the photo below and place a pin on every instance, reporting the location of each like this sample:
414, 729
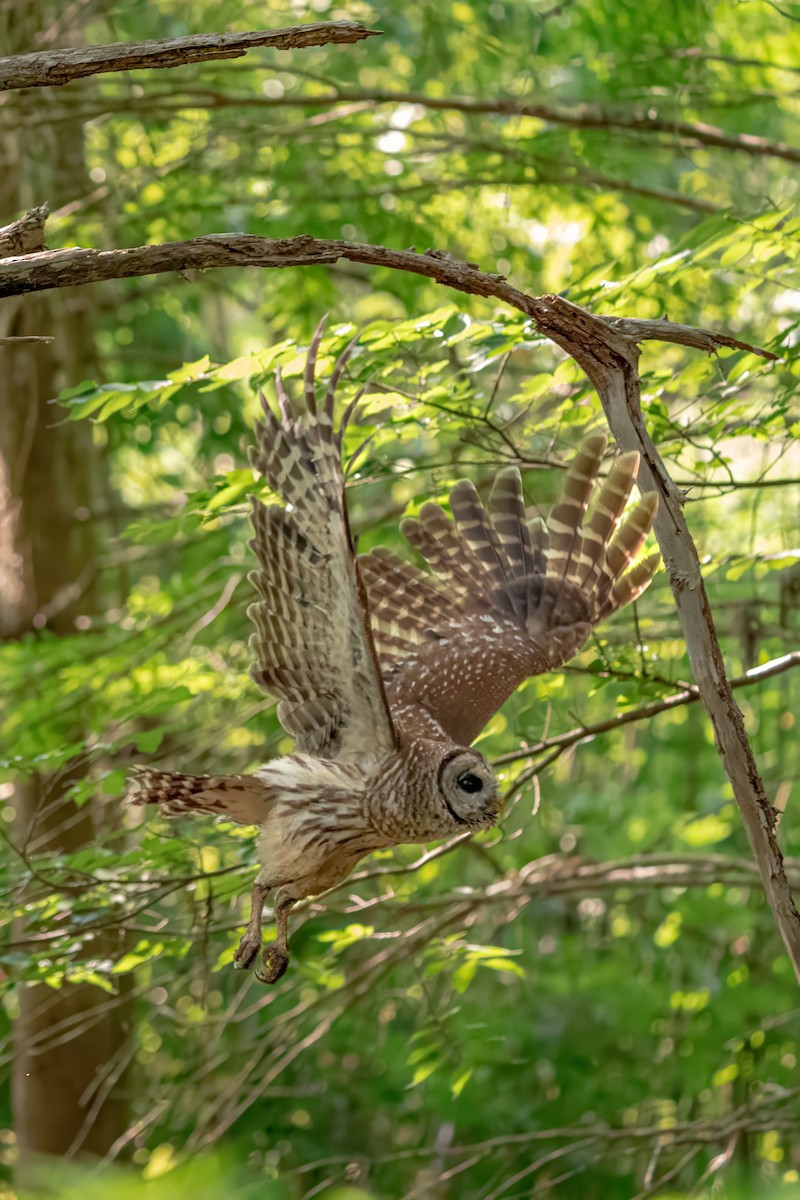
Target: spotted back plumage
312, 640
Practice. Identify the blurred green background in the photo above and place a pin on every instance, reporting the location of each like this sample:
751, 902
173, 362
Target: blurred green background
592, 999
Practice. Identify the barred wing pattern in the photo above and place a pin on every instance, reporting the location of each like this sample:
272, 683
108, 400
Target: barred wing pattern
507, 597
313, 644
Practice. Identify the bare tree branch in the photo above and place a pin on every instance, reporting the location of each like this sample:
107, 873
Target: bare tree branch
74, 266
15, 341
52, 68
583, 116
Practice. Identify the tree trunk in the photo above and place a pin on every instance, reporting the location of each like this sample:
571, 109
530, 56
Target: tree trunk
69, 1043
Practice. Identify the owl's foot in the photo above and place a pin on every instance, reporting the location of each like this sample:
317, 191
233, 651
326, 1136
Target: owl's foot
276, 955
247, 950
275, 962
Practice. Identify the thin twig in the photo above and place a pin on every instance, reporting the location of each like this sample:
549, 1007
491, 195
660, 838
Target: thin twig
12, 341
689, 695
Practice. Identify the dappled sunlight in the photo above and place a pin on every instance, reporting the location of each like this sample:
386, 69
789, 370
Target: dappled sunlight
591, 998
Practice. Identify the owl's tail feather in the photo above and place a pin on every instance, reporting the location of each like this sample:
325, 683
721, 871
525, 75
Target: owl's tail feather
241, 798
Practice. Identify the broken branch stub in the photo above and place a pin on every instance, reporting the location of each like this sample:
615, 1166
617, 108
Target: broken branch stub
54, 68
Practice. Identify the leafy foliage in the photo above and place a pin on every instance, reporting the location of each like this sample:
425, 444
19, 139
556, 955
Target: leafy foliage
487, 1015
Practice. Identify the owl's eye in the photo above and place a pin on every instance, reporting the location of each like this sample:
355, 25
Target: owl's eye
469, 783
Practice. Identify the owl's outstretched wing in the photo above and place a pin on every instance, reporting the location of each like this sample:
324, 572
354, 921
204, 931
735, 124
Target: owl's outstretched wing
507, 597
312, 641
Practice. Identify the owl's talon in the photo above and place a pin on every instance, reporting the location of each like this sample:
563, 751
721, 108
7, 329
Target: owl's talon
247, 952
275, 963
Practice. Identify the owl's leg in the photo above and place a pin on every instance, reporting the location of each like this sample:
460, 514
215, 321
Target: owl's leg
276, 954
249, 946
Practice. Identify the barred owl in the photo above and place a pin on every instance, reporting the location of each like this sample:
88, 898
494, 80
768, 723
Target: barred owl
384, 672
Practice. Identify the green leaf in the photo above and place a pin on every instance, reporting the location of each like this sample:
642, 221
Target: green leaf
458, 1085
149, 740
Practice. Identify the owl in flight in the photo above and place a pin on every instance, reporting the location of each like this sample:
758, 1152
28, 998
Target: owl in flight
386, 673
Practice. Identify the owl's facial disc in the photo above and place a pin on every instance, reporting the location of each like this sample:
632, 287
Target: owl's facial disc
469, 789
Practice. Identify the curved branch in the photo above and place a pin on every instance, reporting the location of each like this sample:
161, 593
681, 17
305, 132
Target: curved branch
52, 68
609, 357
74, 266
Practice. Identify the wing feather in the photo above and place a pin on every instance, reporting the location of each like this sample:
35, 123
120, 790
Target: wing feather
479, 534
312, 641
507, 509
440, 543
406, 607
507, 597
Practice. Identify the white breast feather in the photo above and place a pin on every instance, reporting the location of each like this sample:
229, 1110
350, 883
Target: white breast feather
303, 773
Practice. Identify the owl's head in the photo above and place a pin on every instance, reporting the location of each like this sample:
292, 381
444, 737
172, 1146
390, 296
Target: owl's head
469, 789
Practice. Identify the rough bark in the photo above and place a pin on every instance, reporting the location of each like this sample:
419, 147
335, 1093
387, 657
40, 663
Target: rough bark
69, 1043
52, 68
76, 266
